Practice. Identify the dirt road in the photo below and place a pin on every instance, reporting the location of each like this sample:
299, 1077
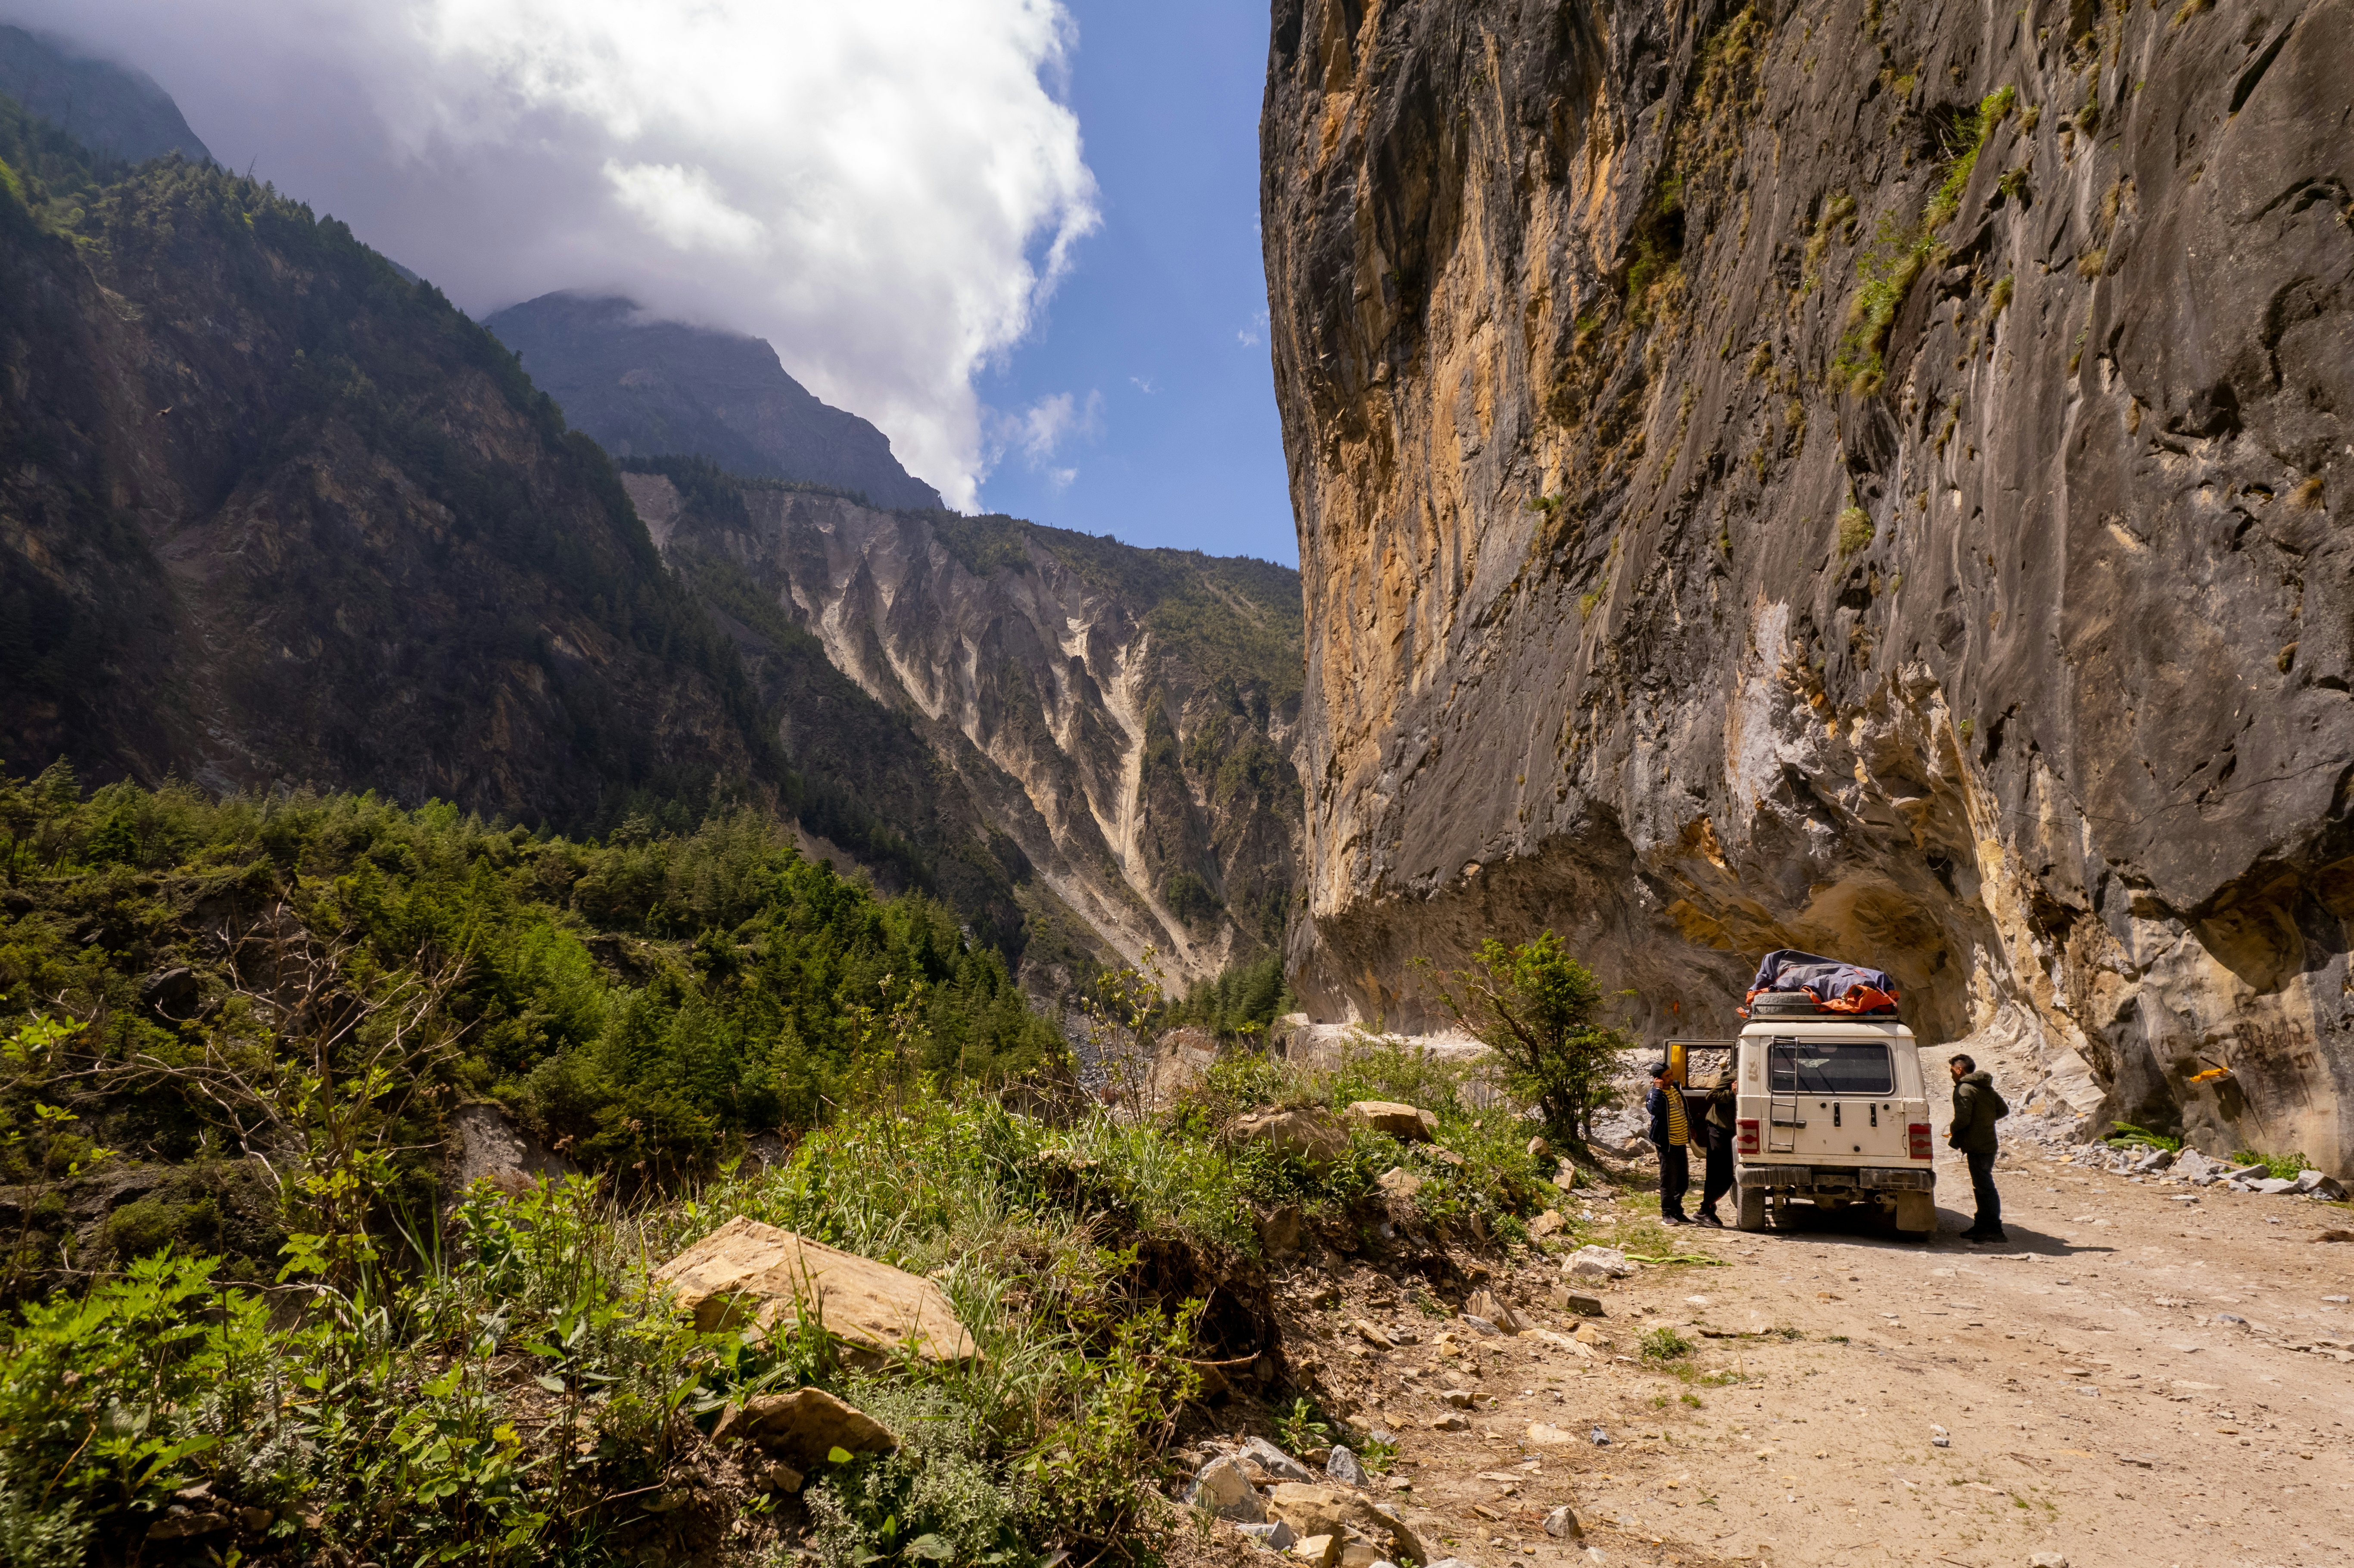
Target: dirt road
2139, 1378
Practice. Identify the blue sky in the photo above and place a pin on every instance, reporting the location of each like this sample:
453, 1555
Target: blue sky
1160, 325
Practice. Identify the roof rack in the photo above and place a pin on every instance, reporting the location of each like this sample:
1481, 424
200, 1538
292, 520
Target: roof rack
1803, 1004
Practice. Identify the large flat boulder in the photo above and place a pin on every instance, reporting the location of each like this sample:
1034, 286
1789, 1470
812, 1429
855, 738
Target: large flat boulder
1306, 1134
747, 1272
1410, 1123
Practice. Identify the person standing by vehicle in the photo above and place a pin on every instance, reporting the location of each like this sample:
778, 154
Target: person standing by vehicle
1977, 1107
1716, 1130
1671, 1136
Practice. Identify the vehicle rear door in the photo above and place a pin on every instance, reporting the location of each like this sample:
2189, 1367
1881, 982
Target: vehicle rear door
1835, 1099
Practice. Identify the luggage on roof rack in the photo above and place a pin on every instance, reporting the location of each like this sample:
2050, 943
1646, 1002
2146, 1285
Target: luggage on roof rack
1790, 984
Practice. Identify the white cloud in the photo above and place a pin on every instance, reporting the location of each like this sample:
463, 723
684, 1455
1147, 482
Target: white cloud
886, 191
684, 207
1039, 431
1142, 384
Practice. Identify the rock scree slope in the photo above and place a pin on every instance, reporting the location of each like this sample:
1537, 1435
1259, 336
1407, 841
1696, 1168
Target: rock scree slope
1109, 726
1867, 476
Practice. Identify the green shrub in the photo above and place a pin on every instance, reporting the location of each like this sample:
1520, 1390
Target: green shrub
1534, 1006
1665, 1345
1855, 531
2283, 1166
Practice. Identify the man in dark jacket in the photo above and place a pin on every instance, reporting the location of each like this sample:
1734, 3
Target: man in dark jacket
1671, 1134
1716, 1130
1977, 1107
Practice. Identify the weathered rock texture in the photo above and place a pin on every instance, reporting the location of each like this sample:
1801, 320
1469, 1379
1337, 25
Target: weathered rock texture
1731, 516
748, 1273
1110, 725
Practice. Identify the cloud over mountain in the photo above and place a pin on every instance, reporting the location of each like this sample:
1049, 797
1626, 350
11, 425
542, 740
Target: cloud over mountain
885, 191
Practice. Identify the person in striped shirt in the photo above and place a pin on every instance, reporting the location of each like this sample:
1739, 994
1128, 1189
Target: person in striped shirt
1671, 1136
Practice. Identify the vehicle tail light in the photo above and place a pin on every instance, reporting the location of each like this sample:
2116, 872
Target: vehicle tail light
1747, 1142
1917, 1135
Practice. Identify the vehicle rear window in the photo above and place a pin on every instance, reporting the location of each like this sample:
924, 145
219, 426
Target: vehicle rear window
1832, 1067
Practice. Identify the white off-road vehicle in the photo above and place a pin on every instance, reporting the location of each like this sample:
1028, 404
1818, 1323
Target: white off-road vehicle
1828, 1111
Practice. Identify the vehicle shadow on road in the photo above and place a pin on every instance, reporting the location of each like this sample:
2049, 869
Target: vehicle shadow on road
1864, 1230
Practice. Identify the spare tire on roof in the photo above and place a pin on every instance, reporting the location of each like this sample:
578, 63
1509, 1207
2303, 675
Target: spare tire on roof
1783, 1004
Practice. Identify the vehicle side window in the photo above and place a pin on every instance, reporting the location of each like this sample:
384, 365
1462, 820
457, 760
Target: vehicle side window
1831, 1067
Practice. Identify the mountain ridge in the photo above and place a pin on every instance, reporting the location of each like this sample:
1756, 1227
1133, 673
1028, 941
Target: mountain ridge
642, 387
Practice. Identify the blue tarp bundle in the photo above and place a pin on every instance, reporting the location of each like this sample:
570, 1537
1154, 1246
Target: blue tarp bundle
1843, 987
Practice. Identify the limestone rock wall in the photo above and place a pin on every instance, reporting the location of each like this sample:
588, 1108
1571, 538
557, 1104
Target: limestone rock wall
1867, 475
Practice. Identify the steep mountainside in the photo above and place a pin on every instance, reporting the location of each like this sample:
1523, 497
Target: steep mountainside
271, 514
644, 387
1867, 475
117, 112
1112, 724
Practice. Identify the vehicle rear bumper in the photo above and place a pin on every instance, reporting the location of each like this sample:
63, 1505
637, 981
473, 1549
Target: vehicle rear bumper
1843, 1178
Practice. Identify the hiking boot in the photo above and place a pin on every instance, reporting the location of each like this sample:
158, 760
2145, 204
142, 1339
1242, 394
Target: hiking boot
1674, 1220
1984, 1236
1711, 1220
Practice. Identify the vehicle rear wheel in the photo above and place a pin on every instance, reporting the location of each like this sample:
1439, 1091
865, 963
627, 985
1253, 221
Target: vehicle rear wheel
1749, 1203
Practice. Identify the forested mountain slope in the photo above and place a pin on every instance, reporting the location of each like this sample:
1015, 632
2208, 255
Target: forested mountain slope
1866, 475
271, 514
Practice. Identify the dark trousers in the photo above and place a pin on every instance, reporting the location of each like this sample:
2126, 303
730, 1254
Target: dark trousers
1675, 1180
1982, 1188
1719, 1179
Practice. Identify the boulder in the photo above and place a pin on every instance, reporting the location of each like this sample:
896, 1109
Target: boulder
1313, 1510
1562, 1523
745, 1272
804, 1426
1276, 1537
1568, 1300
1341, 1466
1590, 1262
1485, 1305
2273, 1186
1398, 1182
1223, 1487
1317, 1551
1402, 1121
1306, 1134
1282, 1232
1274, 1461
1547, 1224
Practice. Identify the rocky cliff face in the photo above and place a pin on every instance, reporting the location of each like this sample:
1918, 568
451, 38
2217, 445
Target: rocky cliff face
1109, 724
643, 388
1866, 476
271, 514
